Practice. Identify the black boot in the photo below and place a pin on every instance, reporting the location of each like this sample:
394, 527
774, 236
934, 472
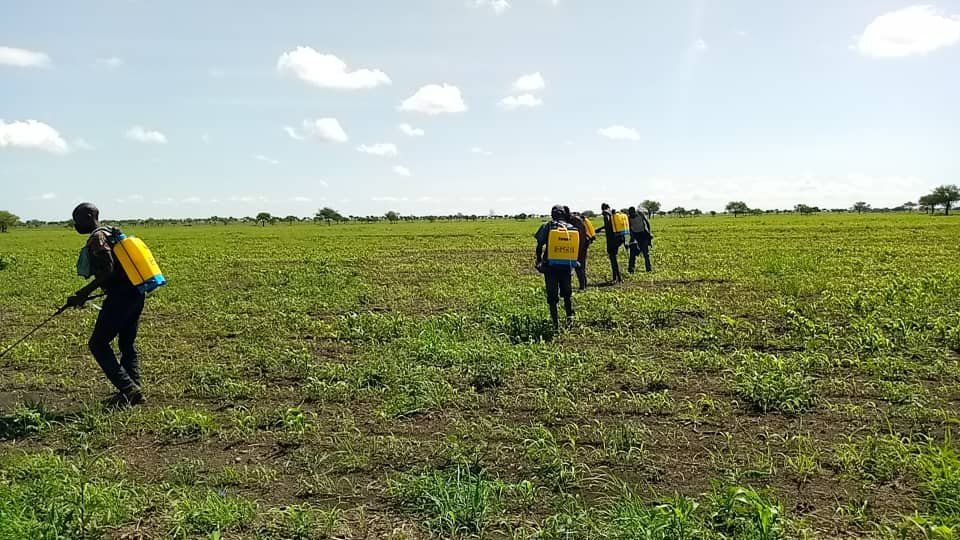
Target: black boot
568, 307
582, 278
555, 316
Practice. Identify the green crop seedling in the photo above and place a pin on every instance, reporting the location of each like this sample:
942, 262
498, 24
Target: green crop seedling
758, 385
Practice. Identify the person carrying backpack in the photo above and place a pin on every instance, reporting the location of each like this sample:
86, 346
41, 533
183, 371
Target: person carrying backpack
587, 236
615, 239
561, 241
120, 315
641, 237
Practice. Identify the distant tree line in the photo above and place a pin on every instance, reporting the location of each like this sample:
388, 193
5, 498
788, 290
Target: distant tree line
946, 197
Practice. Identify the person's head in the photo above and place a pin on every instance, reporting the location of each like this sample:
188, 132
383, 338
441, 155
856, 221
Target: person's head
86, 218
632, 211
566, 212
604, 207
557, 212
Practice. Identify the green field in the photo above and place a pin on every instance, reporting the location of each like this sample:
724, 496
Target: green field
777, 376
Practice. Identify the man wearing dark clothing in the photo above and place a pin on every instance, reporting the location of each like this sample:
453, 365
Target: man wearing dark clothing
614, 241
557, 278
120, 315
579, 223
641, 238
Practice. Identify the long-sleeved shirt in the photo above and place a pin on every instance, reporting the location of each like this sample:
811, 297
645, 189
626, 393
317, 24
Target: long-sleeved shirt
104, 263
614, 241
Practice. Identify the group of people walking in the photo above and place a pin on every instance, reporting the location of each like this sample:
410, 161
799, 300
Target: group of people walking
563, 243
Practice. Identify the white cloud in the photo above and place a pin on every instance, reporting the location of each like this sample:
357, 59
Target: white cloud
379, 149
205, 138
82, 144
265, 159
530, 83
524, 100
32, 134
435, 99
700, 44
411, 131
327, 71
498, 6
619, 133
481, 151
140, 134
12, 56
909, 31
293, 133
323, 183
300, 199
401, 170
135, 197
192, 200
112, 62
389, 198
325, 129
248, 198
48, 196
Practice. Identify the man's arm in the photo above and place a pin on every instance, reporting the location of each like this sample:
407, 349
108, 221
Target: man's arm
102, 264
541, 236
88, 289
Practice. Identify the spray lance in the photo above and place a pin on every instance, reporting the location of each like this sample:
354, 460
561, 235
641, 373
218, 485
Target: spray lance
60, 310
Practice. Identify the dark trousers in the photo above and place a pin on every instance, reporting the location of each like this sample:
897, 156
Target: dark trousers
581, 270
613, 250
638, 247
615, 264
559, 285
119, 318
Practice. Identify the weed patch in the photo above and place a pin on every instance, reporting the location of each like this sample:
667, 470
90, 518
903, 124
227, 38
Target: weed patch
47, 496
769, 384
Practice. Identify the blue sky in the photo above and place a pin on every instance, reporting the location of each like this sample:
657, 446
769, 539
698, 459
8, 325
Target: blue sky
222, 107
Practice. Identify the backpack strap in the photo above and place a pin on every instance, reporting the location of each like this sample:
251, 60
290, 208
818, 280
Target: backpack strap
112, 234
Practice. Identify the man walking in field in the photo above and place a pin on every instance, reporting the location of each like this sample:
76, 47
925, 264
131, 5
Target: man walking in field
556, 272
585, 228
641, 238
614, 241
120, 314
